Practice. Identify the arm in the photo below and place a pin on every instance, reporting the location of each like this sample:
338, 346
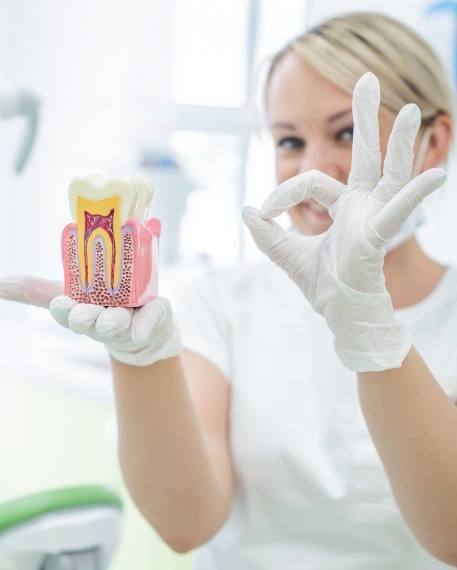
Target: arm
340, 272
173, 446
414, 428
173, 425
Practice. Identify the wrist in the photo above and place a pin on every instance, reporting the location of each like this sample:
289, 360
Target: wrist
166, 345
367, 335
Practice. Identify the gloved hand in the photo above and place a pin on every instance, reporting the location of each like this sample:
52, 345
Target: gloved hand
134, 336
341, 270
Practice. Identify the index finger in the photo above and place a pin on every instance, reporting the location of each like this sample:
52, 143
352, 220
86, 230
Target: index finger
311, 184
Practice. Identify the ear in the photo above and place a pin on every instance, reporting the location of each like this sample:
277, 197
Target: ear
440, 142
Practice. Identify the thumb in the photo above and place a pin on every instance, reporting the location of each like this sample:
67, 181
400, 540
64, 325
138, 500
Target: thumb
266, 234
30, 290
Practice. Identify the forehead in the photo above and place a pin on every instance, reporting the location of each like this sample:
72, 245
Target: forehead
299, 93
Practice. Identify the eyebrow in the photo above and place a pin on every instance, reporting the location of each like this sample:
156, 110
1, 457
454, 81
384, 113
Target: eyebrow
337, 116
330, 119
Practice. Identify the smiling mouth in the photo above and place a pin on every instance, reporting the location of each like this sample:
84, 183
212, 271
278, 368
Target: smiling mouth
315, 207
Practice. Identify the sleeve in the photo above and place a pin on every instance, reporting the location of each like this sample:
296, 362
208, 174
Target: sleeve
202, 321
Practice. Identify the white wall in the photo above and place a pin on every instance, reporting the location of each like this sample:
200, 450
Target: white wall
92, 63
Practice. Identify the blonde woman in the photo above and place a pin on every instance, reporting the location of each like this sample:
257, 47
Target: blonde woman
250, 443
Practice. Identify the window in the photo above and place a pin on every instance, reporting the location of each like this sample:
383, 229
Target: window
218, 51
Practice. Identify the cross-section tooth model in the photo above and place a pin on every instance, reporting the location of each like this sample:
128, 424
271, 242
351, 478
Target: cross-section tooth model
109, 253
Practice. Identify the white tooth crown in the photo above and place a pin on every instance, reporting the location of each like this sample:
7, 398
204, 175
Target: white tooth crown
135, 194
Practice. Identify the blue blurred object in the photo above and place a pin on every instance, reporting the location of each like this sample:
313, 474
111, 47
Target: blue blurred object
449, 6
20, 102
157, 159
173, 185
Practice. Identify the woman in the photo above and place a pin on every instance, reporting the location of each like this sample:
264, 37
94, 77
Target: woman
250, 442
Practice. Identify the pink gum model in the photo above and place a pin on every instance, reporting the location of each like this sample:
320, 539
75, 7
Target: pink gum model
139, 265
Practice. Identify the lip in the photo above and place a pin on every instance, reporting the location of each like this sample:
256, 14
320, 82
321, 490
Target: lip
315, 209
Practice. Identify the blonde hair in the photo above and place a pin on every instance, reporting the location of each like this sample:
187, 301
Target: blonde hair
343, 48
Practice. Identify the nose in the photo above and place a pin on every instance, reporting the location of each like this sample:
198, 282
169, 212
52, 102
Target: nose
320, 157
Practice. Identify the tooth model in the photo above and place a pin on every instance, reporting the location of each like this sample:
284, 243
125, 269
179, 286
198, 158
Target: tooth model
109, 253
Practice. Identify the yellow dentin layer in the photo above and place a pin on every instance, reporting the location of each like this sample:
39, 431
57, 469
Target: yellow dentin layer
99, 218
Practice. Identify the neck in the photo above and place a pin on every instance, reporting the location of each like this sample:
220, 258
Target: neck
410, 274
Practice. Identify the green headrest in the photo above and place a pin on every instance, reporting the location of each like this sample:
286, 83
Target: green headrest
25, 509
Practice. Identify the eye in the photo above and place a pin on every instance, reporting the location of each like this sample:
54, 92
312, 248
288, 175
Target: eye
290, 143
345, 135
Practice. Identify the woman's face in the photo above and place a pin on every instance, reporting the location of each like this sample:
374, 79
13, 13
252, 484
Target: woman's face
311, 123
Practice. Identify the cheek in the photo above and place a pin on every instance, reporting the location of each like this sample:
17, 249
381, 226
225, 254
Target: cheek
334, 161
286, 167
343, 165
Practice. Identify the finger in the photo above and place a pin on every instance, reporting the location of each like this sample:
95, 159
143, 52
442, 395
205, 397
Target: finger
113, 321
400, 154
30, 290
366, 156
388, 221
267, 234
283, 248
146, 319
311, 184
82, 317
60, 308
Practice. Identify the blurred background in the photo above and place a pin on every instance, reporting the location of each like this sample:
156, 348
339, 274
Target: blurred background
168, 89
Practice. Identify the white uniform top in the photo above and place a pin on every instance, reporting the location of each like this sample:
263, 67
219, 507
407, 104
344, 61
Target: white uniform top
311, 491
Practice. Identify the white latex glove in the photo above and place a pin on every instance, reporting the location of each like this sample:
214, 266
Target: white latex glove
341, 270
134, 336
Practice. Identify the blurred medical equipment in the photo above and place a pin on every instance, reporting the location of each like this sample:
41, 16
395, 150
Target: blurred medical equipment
20, 102
74, 528
164, 171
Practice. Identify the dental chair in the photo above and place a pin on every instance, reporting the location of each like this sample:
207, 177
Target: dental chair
75, 528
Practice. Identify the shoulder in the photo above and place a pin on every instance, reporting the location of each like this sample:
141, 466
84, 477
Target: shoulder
451, 275
438, 309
